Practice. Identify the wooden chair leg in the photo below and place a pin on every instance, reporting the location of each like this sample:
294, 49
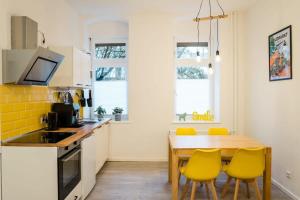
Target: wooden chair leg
180, 164
236, 191
193, 190
247, 189
258, 195
226, 186
185, 188
207, 190
213, 190
179, 173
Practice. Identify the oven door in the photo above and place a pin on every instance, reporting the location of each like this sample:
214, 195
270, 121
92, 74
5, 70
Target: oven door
69, 172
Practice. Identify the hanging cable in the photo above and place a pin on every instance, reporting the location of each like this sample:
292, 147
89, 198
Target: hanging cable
199, 9
217, 34
220, 7
209, 29
198, 33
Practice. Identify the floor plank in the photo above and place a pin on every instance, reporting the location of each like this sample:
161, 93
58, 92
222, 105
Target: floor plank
148, 181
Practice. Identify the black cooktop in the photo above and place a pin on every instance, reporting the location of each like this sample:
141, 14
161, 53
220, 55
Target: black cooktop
39, 137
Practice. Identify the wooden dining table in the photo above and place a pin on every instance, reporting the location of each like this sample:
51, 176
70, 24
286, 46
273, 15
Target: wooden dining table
181, 146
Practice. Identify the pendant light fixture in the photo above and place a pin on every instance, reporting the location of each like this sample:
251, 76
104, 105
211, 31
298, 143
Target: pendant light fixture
210, 18
218, 56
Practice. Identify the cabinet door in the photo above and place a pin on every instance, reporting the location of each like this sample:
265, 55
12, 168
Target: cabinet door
101, 146
63, 77
106, 139
88, 155
85, 69
77, 77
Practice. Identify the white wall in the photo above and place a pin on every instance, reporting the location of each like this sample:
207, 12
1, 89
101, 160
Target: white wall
272, 108
56, 18
152, 82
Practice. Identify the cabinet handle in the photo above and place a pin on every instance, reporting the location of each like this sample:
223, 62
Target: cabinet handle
78, 84
88, 85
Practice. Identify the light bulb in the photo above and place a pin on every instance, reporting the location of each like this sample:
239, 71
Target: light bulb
198, 58
218, 57
210, 69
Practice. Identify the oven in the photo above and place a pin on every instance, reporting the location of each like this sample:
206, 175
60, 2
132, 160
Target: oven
69, 169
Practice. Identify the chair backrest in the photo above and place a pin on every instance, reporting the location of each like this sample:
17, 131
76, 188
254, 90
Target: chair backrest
186, 131
218, 131
204, 165
247, 163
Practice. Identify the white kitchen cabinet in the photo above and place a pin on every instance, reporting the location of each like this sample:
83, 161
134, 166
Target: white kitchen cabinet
75, 69
88, 163
102, 145
29, 173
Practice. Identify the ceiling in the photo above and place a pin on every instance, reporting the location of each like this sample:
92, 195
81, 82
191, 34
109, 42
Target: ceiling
120, 10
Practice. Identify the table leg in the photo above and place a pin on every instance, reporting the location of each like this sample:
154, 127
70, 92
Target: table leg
170, 163
174, 175
267, 175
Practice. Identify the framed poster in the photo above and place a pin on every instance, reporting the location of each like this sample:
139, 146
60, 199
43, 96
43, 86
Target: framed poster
280, 55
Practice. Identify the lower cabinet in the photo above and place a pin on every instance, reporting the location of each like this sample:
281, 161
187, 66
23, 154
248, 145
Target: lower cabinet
88, 163
29, 173
102, 145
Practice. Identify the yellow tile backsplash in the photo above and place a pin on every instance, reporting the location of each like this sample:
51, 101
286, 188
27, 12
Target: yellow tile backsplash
21, 108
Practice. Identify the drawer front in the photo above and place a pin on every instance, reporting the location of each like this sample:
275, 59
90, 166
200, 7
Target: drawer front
75, 194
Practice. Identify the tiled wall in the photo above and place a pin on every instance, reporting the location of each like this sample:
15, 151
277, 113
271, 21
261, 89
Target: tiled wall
21, 108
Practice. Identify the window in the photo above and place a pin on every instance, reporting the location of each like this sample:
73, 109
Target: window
110, 84
194, 86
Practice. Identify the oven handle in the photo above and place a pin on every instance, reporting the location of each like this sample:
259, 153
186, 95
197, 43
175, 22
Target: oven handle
70, 156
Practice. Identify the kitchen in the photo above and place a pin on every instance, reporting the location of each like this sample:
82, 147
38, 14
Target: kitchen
141, 87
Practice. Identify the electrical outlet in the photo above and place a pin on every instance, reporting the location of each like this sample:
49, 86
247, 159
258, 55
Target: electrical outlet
288, 174
43, 119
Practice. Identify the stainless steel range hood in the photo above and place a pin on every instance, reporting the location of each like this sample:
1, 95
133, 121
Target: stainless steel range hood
25, 63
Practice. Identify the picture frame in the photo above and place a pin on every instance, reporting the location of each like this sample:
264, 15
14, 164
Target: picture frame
280, 55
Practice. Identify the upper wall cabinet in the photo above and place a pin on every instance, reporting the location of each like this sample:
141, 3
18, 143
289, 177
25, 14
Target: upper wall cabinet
74, 71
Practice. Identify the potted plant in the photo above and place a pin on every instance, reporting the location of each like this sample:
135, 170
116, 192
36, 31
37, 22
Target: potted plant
100, 112
117, 112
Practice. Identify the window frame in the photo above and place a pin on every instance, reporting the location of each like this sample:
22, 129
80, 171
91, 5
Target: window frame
110, 62
191, 62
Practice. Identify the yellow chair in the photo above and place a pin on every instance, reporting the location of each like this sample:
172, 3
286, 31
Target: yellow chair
204, 166
218, 131
186, 131
246, 165
226, 154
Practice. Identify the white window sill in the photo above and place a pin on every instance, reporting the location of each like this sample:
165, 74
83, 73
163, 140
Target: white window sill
196, 122
120, 122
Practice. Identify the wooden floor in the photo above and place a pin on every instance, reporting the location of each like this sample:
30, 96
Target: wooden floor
148, 181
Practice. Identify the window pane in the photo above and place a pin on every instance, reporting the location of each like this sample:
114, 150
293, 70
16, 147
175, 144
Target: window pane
110, 50
191, 73
189, 50
111, 73
192, 90
111, 91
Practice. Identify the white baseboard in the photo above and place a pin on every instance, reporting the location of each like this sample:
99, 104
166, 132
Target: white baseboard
285, 190
133, 159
